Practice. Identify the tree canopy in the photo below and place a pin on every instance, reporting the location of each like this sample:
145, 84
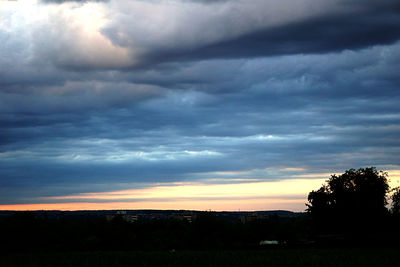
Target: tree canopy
396, 201
351, 196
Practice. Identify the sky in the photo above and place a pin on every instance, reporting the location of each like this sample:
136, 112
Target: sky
193, 104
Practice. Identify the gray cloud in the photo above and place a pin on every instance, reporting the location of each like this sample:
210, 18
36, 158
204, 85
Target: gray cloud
155, 32
320, 93
347, 26
66, 1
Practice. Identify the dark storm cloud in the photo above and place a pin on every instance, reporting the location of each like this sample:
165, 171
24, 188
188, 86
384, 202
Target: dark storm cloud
83, 1
329, 32
66, 1
265, 94
179, 31
319, 35
330, 104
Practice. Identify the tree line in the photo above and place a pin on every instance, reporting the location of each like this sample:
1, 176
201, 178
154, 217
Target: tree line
355, 203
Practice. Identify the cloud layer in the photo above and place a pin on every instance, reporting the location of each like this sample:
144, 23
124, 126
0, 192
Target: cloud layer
109, 95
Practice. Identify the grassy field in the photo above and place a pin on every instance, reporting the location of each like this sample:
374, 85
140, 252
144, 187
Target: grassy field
275, 257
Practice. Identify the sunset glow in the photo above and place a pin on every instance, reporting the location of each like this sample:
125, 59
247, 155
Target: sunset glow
285, 194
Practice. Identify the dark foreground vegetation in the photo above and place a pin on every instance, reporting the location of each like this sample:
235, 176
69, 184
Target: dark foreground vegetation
38, 231
337, 257
354, 205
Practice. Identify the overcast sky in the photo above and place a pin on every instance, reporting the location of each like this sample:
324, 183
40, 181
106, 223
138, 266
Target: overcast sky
138, 96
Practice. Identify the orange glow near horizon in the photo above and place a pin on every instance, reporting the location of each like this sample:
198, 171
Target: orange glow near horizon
226, 205
283, 194
201, 191
394, 178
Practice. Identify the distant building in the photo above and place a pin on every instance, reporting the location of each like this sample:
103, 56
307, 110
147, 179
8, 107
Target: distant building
269, 242
249, 218
188, 218
123, 214
130, 218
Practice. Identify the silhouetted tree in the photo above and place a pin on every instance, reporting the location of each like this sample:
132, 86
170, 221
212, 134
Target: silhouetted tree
396, 201
356, 196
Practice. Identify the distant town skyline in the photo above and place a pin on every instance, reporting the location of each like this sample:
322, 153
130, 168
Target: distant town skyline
193, 104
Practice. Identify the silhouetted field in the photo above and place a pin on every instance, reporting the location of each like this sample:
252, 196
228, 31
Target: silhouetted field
203, 239
45, 233
37, 232
270, 257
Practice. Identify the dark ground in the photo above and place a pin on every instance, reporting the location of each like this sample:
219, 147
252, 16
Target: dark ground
208, 239
269, 257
